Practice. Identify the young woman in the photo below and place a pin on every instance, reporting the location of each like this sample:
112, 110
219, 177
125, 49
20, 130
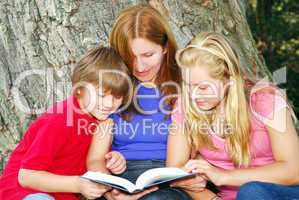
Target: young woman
143, 39
243, 133
49, 160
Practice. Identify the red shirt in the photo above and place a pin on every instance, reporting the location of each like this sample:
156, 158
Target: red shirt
56, 142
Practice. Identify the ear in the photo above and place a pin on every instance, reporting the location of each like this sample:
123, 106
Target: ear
164, 50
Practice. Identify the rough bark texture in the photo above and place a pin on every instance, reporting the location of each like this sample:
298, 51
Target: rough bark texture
50, 35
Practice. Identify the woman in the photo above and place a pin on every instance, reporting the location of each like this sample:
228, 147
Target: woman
143, 39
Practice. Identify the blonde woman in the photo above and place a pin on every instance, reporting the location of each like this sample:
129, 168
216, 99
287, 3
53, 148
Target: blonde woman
243, 134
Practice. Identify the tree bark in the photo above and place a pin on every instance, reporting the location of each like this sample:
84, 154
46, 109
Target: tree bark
49, 36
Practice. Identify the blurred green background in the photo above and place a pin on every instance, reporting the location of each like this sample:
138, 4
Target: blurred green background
275, 27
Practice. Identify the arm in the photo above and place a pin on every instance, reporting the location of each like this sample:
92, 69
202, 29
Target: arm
48, 182
178, 154
178, 147
100, 146
285, 148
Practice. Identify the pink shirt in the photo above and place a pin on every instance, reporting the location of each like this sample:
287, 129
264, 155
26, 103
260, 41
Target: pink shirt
263, 105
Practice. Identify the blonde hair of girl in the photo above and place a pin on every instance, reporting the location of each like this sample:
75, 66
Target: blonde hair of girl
215, 52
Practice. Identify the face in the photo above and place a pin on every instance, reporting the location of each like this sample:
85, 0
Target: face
148, 58
99, 103
205, 91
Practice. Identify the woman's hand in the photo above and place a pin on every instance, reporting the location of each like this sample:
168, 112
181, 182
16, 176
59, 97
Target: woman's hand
91, 190
117, 195
115, 162
202, 167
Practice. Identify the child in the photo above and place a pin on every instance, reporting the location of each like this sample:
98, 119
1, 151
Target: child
49, 160
244, 133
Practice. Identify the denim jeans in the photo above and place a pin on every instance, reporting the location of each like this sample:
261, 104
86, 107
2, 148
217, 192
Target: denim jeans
38, 196
137, 167
264, 191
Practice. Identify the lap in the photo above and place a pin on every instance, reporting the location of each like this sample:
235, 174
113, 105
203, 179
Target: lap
137, 167
261, 190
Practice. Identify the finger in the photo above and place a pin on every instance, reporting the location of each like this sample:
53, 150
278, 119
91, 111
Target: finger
108, 155
111, 161
183, 182
199, 178
180, 182
196, 187
97, 186
188, 182
189, 165
115, 192
118, 162
197, 167
195, 162
95, 193
120, 169
198, 171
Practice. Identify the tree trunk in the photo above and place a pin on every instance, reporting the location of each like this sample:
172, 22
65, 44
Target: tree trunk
40, 41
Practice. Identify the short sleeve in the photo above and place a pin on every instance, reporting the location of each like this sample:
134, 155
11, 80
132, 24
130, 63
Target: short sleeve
264, 104
177, 115
50, 138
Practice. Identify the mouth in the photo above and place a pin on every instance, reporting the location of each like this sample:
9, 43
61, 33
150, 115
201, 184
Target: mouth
201, 102
143, 73
106, 111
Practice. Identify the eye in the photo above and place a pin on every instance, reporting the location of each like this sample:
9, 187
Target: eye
203, 87
118, 97
148, 54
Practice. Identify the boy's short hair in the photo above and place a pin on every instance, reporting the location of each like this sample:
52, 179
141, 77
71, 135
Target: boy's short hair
106, 63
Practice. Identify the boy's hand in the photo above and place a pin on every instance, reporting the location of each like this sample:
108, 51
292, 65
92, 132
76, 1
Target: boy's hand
115, 162
92, 190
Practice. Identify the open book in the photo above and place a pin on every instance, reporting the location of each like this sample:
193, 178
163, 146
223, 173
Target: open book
146, 180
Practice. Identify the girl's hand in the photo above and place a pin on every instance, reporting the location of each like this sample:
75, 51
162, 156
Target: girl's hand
196, 184
115, 162
202, 167
91, 190
117, 195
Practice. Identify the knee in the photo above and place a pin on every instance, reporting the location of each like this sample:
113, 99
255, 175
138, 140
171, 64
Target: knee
253, 190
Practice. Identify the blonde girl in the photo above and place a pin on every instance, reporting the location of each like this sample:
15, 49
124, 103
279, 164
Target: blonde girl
242, 132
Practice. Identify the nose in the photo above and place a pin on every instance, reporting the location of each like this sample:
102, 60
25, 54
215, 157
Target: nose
108, 102
139, 65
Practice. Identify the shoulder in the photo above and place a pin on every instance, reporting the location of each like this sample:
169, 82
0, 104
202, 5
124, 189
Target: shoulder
266, 100
57, 115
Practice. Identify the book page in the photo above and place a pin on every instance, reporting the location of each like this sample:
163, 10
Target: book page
159, 174
106, 178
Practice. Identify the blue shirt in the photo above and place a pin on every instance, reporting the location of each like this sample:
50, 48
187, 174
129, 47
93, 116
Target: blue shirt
144, 137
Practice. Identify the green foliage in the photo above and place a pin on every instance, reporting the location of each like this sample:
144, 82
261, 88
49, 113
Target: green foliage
275, 27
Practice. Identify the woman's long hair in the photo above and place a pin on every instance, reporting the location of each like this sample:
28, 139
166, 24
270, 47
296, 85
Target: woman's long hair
143, 21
